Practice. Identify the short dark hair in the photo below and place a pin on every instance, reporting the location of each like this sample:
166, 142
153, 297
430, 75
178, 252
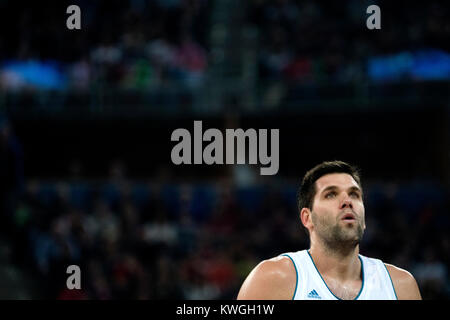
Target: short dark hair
307, 190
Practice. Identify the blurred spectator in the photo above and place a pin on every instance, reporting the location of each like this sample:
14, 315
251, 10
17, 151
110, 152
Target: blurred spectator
11, 175
432, 275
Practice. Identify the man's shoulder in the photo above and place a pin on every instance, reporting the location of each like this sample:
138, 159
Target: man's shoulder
278, 270
398, 273
278, 267
404, 283
273, 278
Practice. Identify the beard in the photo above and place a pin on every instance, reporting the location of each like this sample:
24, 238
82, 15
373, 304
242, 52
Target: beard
338, 236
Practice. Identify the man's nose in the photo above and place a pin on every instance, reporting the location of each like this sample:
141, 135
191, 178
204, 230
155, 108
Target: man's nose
347, 203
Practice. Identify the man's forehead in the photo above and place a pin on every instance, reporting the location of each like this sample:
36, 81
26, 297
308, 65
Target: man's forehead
342, 180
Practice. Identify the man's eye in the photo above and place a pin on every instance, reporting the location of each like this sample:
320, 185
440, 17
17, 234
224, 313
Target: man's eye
355, 194
330, 195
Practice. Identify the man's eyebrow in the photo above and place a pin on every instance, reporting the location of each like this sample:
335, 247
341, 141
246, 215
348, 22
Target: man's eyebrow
355, 188
332, 187
329, 188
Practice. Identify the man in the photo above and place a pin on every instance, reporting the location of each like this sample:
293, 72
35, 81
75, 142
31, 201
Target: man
332, 210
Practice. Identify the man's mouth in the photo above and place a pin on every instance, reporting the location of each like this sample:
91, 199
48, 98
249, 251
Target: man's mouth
348, 217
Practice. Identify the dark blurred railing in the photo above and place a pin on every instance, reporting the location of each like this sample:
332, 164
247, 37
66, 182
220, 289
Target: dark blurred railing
208, 99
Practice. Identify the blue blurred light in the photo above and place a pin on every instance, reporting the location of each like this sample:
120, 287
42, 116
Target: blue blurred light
43, 75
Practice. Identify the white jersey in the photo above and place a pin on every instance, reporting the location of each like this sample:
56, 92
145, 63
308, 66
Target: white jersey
376, 281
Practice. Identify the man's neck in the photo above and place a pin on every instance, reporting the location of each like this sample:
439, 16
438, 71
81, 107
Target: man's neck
342, 265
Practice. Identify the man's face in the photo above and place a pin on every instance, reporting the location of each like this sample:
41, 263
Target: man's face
338, 210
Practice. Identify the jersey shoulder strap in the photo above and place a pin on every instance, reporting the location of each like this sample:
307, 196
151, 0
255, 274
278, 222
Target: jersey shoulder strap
378, 281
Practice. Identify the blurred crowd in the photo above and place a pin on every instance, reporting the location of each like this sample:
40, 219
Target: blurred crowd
147, 44
314, 41
121, 44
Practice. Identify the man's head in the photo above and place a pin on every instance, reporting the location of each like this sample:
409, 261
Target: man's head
330, 202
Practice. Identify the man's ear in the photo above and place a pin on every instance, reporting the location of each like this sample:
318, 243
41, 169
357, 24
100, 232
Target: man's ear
305, 217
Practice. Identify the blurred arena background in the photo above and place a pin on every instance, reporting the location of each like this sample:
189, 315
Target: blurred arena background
86, 117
